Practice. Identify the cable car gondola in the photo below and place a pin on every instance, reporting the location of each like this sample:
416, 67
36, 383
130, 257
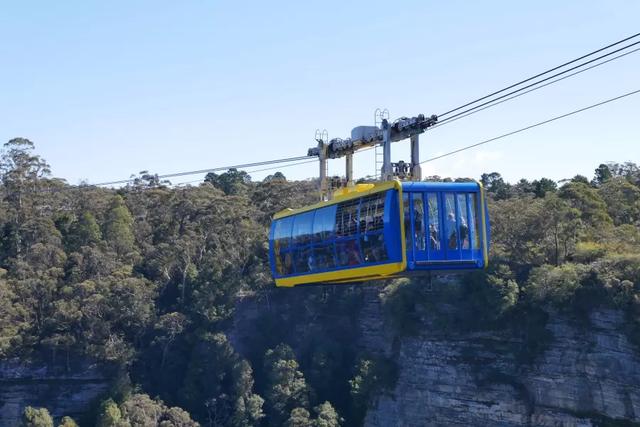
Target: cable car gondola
380, 231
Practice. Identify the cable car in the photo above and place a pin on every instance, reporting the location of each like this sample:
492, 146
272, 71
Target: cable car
392, 229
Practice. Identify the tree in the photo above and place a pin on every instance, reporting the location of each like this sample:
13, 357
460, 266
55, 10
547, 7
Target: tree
36, 417
141, 410
21, 172
602, 174
622, 200
562, 226
169, 326
67, 422
580, 179
278, 176
327, 416
231, 182
371, 376
556, 285
109, 415
491, 294
286, 386
543, 186
586, 199
11, 322
495, 185
84, 232
219, 385
299, 417
118, 228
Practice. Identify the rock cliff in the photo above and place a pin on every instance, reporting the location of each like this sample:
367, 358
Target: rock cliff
586, 375
64, 392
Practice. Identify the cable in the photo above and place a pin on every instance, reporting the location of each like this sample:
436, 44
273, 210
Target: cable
533, 89
250, 172
486, 141
538, 82
539, 75
201, 171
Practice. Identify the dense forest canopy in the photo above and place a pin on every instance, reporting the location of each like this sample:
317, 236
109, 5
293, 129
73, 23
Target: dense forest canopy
144, 279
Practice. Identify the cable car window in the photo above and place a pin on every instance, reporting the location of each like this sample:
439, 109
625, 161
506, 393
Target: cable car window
281, 246
304, 260
434, 221
407, 220
450, 209
474, 220
323, 257
324, 223
373, 248
348, 253
418, 221
302, 228
372, 213
464, 221
347, 218
371, 227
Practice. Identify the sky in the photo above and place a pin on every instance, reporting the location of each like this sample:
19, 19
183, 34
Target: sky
108, 89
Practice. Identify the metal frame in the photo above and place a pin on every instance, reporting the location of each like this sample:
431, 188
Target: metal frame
381, 135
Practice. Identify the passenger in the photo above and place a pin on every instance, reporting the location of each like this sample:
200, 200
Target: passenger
433, 237
451, 226
354, 254
288, 263
464, 234
419, 230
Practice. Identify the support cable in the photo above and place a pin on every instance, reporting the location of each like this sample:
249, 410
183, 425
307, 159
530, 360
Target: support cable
540, 74
486, 141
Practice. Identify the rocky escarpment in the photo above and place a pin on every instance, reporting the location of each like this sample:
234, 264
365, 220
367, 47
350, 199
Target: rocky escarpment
585, 376
64, 392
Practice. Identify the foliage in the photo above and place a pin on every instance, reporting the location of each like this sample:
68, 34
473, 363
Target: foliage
372, 375
36, 417
287, 388
146, 278
67, 422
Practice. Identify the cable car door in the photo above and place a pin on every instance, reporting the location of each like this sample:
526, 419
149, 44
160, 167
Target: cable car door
418, 235
457, 227
434, 232
424, 229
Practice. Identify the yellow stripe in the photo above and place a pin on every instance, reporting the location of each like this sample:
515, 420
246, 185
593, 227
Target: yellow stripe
349, 274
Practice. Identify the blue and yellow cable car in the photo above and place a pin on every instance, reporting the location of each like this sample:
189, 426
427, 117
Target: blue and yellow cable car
381, 231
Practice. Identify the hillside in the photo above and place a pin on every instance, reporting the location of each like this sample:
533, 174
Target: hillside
153, 305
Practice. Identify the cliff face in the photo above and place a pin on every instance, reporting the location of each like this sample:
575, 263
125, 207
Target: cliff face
585, 376
63, 392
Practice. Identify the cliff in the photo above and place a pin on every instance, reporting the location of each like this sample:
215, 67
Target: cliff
586, 375
64, 392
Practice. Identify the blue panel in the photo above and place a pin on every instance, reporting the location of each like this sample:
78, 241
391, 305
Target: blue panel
461, 187
451, 224
392, 236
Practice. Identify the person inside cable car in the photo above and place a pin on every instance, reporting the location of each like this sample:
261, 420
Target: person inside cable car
464, 234
433, 237
451, 224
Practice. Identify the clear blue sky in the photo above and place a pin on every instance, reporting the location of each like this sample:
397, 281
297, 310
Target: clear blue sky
107, 89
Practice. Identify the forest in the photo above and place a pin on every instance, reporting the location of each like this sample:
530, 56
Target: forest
145, 280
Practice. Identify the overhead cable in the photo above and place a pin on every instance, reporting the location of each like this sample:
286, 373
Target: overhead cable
486, 141
493, 104
537, 82
540, 74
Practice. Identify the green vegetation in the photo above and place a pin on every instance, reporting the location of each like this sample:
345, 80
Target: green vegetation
145, 280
